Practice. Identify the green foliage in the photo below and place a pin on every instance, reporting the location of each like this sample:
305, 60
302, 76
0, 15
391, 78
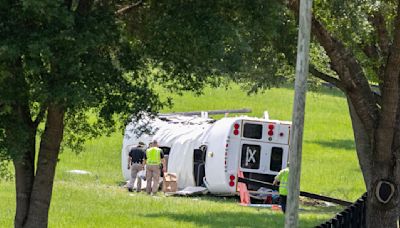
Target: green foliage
51, 53
86, 59
352, 23
246, 42
5, 173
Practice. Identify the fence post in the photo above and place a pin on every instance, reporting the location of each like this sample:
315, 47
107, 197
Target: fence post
357, 212
353, 211
328, 224
349, 217
363, 221
353, 216
346, 218
335, 223
340, 218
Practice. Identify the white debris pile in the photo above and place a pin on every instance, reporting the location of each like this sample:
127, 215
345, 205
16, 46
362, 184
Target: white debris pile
79, 172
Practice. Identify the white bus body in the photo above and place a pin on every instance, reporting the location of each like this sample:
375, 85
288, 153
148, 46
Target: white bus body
203, 151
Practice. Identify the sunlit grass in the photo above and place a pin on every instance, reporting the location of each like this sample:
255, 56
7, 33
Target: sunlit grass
329, 167
93, 205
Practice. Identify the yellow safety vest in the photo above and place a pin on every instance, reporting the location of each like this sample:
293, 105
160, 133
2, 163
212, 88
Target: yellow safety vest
283, 178
153, 156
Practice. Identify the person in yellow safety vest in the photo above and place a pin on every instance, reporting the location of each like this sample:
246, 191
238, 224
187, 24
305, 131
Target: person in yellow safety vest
153, 159
283, 178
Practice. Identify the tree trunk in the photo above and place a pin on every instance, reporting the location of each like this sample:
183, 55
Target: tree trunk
383, 214
46, 165
24, 176
363, 145
379, 214
24, 163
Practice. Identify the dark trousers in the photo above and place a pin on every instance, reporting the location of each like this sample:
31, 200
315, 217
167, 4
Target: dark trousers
283, 202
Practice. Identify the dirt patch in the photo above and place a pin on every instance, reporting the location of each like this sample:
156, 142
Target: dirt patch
311, 202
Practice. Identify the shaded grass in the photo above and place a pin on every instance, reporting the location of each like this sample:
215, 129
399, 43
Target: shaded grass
338, 144
329, 167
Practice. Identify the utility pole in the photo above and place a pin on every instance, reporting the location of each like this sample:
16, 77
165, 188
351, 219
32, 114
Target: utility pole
303, 48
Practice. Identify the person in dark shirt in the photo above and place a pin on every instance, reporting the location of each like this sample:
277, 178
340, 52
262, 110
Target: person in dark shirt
135, 163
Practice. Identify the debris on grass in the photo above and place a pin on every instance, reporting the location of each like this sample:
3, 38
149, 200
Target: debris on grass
80, 172
315, 203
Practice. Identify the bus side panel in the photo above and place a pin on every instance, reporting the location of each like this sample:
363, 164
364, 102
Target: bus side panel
215, 159
233, 157
128, 142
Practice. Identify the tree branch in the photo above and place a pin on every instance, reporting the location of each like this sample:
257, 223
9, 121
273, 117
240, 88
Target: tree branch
363, 145
344, 63
125, 9
370, 51
378, 98
326, 77
350, 72
378, 22
390, 94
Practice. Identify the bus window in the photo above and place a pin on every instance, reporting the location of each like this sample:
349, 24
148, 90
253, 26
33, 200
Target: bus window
165, 150
276, 159
250, 156
252, 131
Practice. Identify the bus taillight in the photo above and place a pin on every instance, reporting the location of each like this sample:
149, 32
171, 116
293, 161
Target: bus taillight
271, 129
232, 180
236, 131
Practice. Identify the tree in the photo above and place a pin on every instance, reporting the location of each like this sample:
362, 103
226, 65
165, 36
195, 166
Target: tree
60, 61
236, 40
63, 62
361, 41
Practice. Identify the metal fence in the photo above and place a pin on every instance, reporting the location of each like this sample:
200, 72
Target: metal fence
351, 217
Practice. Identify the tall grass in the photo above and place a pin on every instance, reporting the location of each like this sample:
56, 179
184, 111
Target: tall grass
329, 167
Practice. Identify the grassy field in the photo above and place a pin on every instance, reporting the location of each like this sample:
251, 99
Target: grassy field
329, 167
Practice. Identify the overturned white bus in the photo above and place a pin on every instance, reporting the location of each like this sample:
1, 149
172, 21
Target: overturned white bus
207, 152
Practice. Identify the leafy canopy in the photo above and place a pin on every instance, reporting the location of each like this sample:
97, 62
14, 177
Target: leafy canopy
50, 53
95, 63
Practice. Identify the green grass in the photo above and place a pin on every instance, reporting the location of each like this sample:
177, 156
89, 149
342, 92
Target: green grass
93, 205
329, 167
